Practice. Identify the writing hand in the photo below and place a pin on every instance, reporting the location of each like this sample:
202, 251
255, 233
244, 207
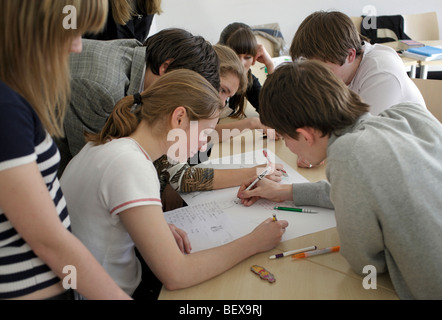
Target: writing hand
266, 189
268, 234
277, 171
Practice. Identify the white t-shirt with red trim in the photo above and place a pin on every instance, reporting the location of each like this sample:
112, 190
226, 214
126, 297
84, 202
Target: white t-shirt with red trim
99, 183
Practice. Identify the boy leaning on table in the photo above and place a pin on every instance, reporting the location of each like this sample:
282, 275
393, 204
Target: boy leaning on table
384, 173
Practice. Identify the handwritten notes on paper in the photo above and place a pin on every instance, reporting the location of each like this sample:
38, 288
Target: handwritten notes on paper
206, 225
215, 217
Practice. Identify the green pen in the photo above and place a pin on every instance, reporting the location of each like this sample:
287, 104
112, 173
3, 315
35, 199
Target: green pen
295, 209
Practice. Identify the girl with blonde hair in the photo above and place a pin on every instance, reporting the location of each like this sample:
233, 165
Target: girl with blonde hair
112, 184
36, 245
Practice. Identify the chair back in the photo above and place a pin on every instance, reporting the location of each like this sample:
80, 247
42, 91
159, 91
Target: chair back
422, 26
432, 92
357, 22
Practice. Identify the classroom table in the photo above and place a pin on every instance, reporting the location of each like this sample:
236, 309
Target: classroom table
327, 276
424, 65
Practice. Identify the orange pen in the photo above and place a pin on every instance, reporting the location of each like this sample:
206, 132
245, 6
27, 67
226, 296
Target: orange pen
316, 252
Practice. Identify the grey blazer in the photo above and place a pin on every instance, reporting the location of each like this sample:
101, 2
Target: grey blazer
104, 73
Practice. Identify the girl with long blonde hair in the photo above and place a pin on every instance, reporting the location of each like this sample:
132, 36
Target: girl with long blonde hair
37, 248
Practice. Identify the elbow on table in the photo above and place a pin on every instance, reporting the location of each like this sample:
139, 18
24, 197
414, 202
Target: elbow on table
175, 284
179, 280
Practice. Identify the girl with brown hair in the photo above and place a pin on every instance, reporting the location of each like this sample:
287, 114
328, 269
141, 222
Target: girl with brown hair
113, 185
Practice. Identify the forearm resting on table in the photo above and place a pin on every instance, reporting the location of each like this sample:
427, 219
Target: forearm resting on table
241, 125
152, 236
204, 179
204, 265
312, 194
227, 178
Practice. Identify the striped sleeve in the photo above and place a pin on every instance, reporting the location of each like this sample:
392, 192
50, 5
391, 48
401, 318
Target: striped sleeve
24, 141
21, 271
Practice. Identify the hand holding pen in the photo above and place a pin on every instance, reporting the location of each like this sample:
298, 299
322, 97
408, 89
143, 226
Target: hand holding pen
264, 188
278, 167
266, 171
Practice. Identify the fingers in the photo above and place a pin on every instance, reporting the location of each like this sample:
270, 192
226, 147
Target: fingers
282, 223
280, 168
278, 172
253, 192
275, 176
249, 197
247, 202
244, 186
246, 197
181, 239
186, 242
262, 55
277, 169
273, 232
273, 135
302, 163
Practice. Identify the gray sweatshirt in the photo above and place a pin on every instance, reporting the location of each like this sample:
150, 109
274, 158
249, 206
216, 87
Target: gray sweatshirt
385, 184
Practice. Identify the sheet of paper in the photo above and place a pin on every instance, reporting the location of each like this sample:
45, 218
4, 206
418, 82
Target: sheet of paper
238, 220
206, 225
244, 160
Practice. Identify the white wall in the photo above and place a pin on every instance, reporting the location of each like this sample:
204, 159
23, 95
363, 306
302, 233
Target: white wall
208, 17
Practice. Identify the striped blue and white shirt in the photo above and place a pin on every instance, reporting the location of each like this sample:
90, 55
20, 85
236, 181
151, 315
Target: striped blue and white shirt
24, 140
